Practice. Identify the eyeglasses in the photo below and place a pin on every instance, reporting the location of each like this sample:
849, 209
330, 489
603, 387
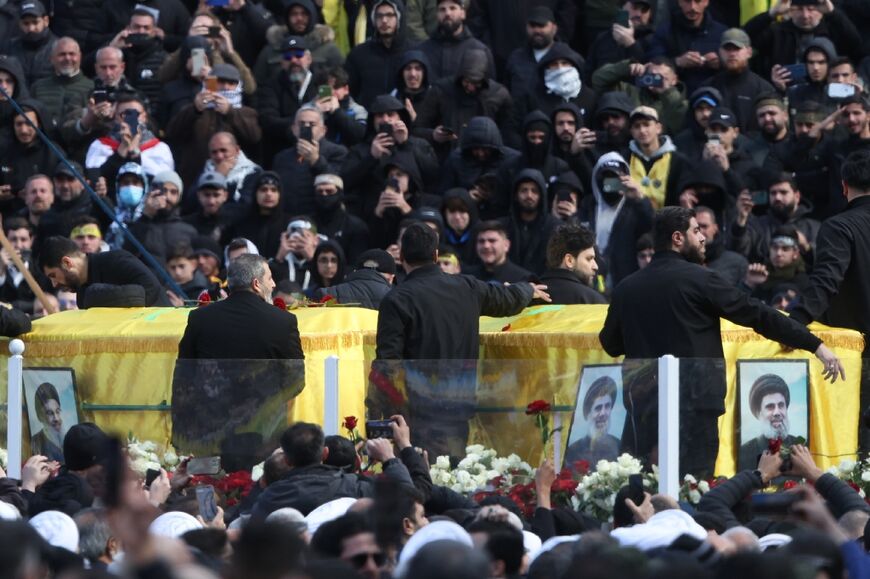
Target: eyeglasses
359, 561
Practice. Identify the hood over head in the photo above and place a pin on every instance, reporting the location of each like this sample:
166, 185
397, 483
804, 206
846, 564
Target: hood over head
459, 196
538, 179
13, 66
384, 104
413, 56
560, 51
537, 153
405, 161
824, 45
473, 66
616, 101
570, 108
481, 132
308, 5
610, 162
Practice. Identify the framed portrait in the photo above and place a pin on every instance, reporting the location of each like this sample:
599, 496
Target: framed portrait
599, 416
773, 403
52, 408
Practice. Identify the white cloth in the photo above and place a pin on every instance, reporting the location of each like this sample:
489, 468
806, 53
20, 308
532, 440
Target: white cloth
551, 544
564, 82
773, 540
659, 531
8, 512
327, 512
236, 175
58, 529
531, 543
173, 524
156, 159
605, 214
437, 531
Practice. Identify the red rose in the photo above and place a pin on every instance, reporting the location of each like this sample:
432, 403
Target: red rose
506, 328
854, 486
497, 481
538, 407
280, 304
774, 445
564, 485
349, 422
581, 467
203, 299
789, 484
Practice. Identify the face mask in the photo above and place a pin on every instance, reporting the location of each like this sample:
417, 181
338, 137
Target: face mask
328, 202
611, 198
564, 82
130, 195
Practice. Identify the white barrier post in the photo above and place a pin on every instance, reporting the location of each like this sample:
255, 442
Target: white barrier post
330, 396
14, 408
669, 426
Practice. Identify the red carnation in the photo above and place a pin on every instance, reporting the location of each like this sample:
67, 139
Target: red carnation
774, 445
537, 407
789, 484
280, 304
349, 422
204, 299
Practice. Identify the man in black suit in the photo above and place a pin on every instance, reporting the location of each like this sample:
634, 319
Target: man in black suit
572, 266
108, 279
222, 399
673, 306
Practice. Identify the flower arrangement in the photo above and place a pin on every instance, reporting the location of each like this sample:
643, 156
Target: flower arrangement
145, 454
596, 493
4, 458
854, 473
480, 467
692, 489
233, 486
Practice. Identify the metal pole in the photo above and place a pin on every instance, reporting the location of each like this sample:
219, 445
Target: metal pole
330, 395
557, 440
14, 408
669, 426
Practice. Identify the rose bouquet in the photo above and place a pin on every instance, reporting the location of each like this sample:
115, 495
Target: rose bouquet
596, 493
146, 454
478, 469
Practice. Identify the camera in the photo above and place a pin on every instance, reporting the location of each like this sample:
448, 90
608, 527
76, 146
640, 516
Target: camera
650, 80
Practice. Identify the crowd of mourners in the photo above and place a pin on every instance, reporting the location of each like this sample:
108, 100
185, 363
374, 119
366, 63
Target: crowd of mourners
313, 132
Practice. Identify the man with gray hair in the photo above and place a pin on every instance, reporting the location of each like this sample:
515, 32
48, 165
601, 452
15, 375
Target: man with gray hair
97, 544
259, 330
67, 90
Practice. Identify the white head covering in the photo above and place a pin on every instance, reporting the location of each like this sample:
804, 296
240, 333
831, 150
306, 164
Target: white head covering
551, 544
327, 512
173, 524
290, 518
58, 529
8, 512
659, 531
773, 540
531, 543
437, 531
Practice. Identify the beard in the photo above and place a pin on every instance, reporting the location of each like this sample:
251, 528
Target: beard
540, 41
693, 254
449, 27
599, 431
780, 431
783, 212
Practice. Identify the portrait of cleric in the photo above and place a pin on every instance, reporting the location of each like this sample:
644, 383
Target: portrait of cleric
773, 405
51, 409
598, 413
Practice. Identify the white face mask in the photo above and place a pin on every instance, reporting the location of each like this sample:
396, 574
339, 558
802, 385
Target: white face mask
564, 82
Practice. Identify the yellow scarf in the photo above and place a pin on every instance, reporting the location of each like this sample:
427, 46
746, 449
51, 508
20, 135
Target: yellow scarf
654, 183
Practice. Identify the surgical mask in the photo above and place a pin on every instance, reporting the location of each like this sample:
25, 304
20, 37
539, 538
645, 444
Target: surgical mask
130, 195
564, 82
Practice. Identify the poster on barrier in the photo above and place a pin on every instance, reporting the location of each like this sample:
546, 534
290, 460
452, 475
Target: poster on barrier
774, 404
52, 408
599, 417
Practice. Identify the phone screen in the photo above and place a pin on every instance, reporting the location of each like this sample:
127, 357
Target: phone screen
197, 61
204, 465
131, 119
207, 505
622, 18
324, 91
305, 133
211, 83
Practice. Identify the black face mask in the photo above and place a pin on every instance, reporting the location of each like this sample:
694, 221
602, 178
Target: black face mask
611, 198
34, 38
163, 213
328, 203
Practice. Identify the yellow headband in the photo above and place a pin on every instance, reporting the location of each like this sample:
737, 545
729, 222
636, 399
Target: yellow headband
86, 229
449, 257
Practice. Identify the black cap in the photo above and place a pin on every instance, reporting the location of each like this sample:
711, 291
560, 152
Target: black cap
84, 446
429, 215
205, 245
63, 169
724, 117
540, 15
32, 8
378, 260
268, 178
294, 43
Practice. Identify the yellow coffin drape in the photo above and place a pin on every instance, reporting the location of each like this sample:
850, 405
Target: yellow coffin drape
126, 357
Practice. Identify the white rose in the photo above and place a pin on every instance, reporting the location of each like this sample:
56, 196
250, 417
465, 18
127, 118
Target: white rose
474, 449
623, 471
847, 465
690, 479
603, 467
442, 462
704, 487
134, 451
170, 458
148, 445
865, 476
694, 497
500, 464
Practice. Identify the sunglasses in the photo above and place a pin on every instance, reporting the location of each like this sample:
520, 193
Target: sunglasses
359, 561
293, 53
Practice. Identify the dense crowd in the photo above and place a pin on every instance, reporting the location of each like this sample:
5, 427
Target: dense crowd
536, 138
310, 132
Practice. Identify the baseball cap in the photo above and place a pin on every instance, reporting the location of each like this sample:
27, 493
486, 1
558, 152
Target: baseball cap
736, 37
541, 15
294, 43
378, 260
724, 117
32, 8
226, 71
614, 166
211, 179
644, 112
63, 169
705, 94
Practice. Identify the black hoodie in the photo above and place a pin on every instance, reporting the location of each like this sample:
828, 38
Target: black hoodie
26, 160
461, 242
11, 65
401, 91
372, 65
529, 238
445, 53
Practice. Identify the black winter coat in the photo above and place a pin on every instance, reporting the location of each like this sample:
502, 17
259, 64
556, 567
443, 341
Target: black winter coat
501, 24
277, 103
739, 92
372, 68
297, 179
121, 268
84, 20
840, 287
565, 287
434, 315
174, 18
141, 70
365, 287
673, 307
445, 54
